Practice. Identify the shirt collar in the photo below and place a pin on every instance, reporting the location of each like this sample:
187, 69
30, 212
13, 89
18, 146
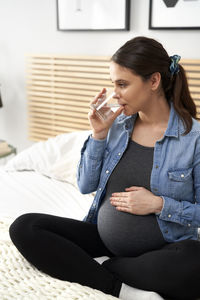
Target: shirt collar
175, 125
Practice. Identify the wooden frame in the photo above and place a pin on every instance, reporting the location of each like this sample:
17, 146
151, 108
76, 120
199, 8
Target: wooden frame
60, 88
192, 68
59, 91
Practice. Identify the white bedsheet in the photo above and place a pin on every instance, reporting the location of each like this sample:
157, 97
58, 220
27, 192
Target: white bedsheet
25, 188
28, 191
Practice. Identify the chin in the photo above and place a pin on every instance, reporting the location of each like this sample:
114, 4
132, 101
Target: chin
127, 113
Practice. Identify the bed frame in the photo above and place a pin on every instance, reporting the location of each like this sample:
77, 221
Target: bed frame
60, 88
192, 68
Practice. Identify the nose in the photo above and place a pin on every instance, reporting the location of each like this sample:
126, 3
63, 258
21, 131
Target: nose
116, 95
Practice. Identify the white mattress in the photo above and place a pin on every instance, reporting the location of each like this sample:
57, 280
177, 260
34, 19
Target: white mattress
42, 179
28, 191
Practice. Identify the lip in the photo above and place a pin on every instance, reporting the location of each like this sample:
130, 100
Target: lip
121, 104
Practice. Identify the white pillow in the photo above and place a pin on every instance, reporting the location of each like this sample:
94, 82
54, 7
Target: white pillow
56, 158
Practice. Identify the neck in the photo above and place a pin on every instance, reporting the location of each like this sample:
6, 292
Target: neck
156, 114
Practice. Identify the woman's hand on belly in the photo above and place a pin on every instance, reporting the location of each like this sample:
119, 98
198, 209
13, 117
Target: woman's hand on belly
137, 200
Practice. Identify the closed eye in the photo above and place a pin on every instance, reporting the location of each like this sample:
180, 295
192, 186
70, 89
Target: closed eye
122, 85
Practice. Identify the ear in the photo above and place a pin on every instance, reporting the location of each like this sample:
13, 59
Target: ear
155, 80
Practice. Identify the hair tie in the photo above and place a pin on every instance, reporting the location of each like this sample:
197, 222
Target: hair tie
174, 67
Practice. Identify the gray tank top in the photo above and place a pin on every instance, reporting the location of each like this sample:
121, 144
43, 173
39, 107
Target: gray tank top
126, 234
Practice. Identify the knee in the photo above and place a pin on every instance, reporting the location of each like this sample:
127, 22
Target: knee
20, 229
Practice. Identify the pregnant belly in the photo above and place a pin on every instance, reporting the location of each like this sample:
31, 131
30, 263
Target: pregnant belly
125, 234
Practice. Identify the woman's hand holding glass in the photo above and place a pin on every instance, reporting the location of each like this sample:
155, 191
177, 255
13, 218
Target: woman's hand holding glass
99, 125
137, 200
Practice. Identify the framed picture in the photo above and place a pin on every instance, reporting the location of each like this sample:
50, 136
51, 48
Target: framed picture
174, 14
78, 15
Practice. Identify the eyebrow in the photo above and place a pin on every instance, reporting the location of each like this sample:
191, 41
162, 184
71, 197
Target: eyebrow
120, 80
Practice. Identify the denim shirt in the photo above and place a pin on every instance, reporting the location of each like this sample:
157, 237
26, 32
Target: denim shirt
175, 174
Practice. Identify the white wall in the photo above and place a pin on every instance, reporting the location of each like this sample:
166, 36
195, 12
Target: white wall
29, 26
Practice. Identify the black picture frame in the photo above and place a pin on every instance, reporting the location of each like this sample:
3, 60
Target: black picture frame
78, 26
168, 21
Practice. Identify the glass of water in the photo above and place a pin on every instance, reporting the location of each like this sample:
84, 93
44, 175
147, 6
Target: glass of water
106, 105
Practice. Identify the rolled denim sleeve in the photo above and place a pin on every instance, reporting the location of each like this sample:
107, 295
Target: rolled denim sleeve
181, 212
90, 165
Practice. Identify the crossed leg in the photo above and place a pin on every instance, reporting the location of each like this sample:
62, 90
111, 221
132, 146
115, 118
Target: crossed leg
64, 248
172, 271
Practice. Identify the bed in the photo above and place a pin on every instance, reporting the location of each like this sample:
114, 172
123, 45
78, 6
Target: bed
42, 179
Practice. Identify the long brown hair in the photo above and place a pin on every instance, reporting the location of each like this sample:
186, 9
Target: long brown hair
145, 56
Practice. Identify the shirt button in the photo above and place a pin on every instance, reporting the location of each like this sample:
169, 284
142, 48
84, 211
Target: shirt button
156, 166
107, 171
169, 216
119, 153
155, 190
189, 225
182, 175
99, 189
166, 231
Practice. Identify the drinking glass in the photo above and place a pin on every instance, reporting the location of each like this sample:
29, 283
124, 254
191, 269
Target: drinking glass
106, 105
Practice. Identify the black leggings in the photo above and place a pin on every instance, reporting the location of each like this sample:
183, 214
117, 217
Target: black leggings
64, 248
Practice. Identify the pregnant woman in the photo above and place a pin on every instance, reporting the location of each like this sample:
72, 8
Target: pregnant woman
143, 162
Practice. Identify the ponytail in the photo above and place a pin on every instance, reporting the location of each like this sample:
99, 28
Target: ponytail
182, 100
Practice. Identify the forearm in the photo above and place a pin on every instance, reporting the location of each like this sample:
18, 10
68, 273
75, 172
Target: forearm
157, 204
99, 135
90, 165
181, 212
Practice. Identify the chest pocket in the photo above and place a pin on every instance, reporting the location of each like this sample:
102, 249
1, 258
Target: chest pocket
180, 175
181, 183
